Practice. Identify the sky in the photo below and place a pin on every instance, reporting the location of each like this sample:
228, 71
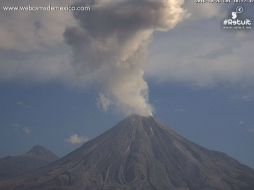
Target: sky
66, 77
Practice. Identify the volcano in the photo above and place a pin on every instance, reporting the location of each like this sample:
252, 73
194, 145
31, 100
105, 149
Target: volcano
139, 153
36, 157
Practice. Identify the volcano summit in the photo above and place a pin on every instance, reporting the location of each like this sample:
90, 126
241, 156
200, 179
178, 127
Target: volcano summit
139, 153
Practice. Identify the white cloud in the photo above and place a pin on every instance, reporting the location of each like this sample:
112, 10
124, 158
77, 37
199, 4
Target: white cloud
180, 109
251, 130
26, 130
26, 30
43, 67
201, 53
204, 57
23, 104
32, 43
199, 11
16, 125
241, 122
242, 98
75, 139
246, 98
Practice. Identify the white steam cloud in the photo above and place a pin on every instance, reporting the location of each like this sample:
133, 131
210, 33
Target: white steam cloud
103, 102
109, 48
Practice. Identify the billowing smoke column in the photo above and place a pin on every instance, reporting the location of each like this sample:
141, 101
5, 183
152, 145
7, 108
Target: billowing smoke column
110, 45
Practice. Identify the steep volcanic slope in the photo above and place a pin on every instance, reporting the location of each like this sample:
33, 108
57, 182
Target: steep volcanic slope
139, 154
12, 166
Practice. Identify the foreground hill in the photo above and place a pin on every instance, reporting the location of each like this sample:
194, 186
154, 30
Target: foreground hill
139, 153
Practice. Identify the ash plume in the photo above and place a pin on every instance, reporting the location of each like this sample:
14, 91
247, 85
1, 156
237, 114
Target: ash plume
110, 46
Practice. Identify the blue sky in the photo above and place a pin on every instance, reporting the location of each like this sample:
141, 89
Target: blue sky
219, 118
200, 80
